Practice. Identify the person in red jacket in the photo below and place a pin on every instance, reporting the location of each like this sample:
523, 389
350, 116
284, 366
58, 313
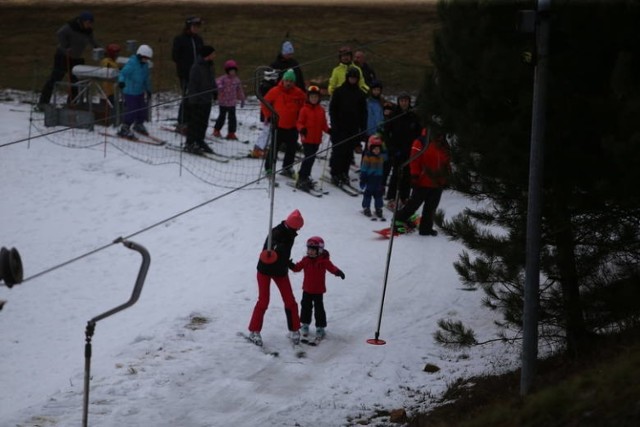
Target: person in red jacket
312, 121
287, 99
315, 265
429, 175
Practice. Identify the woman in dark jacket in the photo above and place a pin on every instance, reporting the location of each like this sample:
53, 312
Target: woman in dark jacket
274, 265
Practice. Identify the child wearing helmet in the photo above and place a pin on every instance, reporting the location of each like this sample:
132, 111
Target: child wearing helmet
229, 94
135, 82
312, 122
372, 176
315, 265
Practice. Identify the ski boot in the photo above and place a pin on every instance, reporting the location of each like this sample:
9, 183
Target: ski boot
256, 338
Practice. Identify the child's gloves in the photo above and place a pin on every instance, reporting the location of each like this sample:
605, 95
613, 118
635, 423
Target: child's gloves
303, 131
242, 104
291, 264
340, 274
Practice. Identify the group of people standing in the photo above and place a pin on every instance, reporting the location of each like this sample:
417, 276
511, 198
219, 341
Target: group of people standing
402, 160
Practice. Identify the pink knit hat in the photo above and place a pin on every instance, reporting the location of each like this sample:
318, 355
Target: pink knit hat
294, 220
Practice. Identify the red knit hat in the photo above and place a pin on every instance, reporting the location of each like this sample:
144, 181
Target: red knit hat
294, 220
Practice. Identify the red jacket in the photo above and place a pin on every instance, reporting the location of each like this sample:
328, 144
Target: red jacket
287, 103
433, 166
314, 272
313, 118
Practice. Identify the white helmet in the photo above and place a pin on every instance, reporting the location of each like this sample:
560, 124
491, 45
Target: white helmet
145, 50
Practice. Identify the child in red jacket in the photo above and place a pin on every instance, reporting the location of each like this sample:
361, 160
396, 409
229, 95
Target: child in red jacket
315, 264
312, 122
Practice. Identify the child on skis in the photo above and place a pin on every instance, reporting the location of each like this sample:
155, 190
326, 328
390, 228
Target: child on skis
135, 82
229, 93
312, 121
372, 176
315, 265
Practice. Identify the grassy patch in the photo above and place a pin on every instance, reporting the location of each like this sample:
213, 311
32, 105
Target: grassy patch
397, 38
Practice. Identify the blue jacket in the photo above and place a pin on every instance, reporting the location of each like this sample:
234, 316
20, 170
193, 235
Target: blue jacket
372, 171
135, 75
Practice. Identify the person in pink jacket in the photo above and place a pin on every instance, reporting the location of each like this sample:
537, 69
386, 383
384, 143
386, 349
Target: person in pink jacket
312, 122
287, 99
315, 265
229, 94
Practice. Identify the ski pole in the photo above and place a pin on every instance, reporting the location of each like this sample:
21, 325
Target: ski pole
376, 340
268, 254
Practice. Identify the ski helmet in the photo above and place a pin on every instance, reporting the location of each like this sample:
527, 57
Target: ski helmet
145, 51
316, 243
375, 141
313, 89
230, 65
113, 50
375, 83
404, 95
345, 50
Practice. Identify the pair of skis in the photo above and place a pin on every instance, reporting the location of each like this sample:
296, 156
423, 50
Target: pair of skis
139, 138
413, 224
297, 348
345, 187
311, 191
211, 156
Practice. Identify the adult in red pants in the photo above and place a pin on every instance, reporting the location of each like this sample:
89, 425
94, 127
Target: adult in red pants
274, 265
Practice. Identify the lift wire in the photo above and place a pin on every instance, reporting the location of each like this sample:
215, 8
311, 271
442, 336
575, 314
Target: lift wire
184, 212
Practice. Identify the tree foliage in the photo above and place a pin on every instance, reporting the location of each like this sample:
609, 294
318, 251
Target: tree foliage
482, 89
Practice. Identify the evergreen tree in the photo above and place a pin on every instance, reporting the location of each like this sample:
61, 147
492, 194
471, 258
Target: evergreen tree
482, 89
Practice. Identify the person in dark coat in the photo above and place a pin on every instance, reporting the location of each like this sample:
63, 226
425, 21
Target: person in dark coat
274, 265
184, 53
402, 129
201, 92
285, 61
315, 265
348, 114
73, 38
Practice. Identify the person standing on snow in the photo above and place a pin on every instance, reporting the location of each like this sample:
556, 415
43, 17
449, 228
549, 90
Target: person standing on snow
372, 176
287, 99
315, 265
229, 94
73, 38
135, 82
312, 122
184, 53
403, 128
274, 265
348, 117
201, 91
339, 72
429, 175
285, 61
